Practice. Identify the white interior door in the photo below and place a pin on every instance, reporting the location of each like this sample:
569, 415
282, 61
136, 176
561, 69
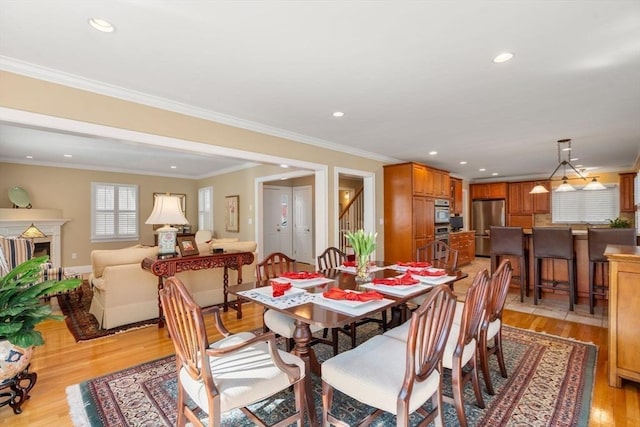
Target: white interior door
277, 227
303, 224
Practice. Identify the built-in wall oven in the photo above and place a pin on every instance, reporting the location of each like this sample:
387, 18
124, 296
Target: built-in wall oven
442, 233
442, 212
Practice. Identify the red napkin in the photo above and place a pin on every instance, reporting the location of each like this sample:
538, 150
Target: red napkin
437, 272
414, 264
405, 279
279, 288
341, 294
349, 263
301, 275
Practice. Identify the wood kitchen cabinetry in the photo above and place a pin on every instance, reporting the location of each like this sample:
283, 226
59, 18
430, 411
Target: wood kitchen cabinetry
522, 205
441, 184
464, 243
409, 213
493, 190
455, 196
624, 316
626, 192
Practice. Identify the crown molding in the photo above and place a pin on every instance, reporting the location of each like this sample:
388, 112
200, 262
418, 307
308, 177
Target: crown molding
13, 65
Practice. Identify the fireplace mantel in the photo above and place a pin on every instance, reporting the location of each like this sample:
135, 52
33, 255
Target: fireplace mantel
14, 221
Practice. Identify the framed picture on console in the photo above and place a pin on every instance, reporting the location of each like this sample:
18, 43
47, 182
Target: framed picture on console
187, 245
231, 213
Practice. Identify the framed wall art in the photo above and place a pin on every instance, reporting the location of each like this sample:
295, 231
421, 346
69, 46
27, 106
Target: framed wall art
232, 214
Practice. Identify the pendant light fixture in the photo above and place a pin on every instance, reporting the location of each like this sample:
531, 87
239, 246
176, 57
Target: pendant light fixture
564, 145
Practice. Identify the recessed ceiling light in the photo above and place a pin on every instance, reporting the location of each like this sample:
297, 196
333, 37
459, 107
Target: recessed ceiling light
68, 155
284, 166
482, 169
101, 25
573, 159
495, 174
579, 166
338, 114
29, 157
433, 153
463, 162
503, 57
174, 167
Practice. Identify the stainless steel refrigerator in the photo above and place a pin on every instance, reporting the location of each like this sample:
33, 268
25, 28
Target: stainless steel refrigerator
484, 214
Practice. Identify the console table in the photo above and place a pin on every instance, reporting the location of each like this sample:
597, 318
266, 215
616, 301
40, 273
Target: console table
167, 267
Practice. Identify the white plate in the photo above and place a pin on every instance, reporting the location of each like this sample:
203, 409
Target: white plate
434, 280
267, 291
346, 302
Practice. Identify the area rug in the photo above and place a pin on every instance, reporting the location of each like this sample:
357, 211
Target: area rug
84, 325
550, 383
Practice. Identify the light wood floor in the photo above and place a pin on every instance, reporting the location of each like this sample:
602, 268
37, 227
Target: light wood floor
62, 362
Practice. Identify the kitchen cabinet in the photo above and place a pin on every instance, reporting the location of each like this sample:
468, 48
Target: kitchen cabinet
521, 202
542, 201
441, 184
455, 196
464, 243
624, 300
493, 190
409, 212
627, 191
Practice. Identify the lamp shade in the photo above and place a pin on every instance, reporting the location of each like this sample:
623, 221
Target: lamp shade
565, 186
538, 189
594, 185
166, 210
32, 232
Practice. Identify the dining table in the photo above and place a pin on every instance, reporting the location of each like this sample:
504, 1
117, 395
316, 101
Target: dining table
306, 305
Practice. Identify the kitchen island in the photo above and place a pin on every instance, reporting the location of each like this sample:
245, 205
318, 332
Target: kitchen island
624, 313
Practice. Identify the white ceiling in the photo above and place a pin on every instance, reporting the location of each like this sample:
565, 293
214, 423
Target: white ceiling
411, 77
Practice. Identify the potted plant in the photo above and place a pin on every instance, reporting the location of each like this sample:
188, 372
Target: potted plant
363, 245
619, 223
21, 309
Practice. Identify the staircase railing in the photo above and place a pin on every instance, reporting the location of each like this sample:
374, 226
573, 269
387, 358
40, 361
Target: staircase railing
351, 219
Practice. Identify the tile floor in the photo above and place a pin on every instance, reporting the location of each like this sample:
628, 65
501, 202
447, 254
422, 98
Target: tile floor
557, 308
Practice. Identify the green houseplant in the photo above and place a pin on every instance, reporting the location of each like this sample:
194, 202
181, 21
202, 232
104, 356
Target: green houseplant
363, 245
619, 223
21, 308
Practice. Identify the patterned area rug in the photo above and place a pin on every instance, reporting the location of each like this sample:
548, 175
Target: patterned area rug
82, 324
550, 383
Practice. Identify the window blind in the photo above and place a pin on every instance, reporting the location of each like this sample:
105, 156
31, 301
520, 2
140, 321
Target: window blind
594, 207
205, 208
114, 212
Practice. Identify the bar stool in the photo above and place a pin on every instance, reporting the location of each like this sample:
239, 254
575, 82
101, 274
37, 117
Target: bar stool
554, 243
599, 238
509, 241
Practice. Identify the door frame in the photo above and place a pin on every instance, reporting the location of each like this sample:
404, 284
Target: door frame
321, 214
368, 192
312, 257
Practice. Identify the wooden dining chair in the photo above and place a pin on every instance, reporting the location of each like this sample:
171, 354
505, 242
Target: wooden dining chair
491, 327
236, 371
396, 376
271, 267
439, 254
460, 351
331, 258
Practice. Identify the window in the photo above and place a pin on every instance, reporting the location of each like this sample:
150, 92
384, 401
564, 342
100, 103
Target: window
205, 208
593, 207
114, 212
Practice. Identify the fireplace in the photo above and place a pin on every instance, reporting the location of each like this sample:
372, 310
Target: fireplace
14, 221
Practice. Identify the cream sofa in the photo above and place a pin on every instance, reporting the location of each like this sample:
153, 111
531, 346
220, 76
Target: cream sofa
124, 293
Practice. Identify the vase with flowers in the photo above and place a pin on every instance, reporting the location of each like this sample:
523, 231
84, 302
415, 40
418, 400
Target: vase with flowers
363, 245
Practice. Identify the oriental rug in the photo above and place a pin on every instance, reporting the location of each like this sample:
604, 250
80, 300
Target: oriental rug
83, 325
550, 383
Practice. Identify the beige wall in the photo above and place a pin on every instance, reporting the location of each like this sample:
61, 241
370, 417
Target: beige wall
23, 93
70, 191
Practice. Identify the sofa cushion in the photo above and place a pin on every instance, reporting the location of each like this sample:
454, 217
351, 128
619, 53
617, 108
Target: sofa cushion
248, 246
132, 255
224, 240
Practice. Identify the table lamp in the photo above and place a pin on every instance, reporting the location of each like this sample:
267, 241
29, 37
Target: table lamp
32, 232
166, 211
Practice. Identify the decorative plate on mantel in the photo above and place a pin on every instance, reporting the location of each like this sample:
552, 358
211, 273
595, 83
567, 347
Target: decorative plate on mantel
19, 197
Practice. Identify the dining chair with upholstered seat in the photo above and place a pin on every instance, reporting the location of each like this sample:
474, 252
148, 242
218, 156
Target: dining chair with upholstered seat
392, 375
271, 267
491, 327
232, 373
461, 348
